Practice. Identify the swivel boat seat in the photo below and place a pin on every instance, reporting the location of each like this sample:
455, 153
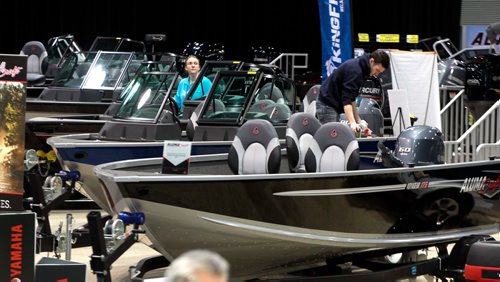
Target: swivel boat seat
334, 148
37, 62
309, 101
255, 149
300, 130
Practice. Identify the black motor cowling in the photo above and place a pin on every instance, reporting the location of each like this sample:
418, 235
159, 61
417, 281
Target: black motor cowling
483, 78
416, 146
205, 50
420, 145
371, 88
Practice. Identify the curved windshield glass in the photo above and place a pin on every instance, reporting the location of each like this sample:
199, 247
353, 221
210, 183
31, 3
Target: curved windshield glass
209, 71
106, 70
58, 46
72, 69
227, 102
271, 98
146, 94
138, 67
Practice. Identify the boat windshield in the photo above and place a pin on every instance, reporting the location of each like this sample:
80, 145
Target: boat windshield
209, 70
271, 97
107, 70
226, 103
73, 68
242, 95
60, 45
146, 95
149, 66
103, 43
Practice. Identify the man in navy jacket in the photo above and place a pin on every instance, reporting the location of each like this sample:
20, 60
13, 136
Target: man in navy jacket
339, 91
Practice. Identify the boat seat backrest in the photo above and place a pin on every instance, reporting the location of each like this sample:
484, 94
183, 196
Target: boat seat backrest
260, 105
309, 101
333, 148
37, 62
300, 130
255, 149
274, 93
278, 112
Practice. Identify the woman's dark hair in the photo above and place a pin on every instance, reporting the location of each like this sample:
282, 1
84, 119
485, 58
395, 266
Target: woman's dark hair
380, 57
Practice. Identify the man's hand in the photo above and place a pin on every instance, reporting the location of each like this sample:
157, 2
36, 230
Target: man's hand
355, 127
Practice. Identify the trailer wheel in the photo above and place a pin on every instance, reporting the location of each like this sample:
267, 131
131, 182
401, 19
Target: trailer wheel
444, 206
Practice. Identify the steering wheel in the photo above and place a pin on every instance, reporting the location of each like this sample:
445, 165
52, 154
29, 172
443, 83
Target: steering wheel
174, 106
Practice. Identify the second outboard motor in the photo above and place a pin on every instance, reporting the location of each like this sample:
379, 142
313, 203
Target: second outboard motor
416, 146
483, 83
205, 51
372, 100
263, 54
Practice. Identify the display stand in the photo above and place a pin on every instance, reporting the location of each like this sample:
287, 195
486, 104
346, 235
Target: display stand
399, 118
176, 156
400, 111
51, 269
17, 248
13, 72
17, 227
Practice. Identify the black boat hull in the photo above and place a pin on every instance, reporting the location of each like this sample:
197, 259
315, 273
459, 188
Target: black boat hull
267, 223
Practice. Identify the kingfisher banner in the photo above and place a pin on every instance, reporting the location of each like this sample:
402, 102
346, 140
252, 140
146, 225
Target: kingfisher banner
336, 42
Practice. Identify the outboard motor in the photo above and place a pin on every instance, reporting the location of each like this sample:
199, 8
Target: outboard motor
372, 100
263, 54
205, 51
482, 83
416, 146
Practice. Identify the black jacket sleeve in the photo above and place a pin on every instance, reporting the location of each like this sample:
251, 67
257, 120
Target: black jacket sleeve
353, 77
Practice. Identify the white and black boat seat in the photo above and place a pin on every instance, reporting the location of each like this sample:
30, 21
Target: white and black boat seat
333, 148
274, 93
300, 130
309, 101
255, 149
37, 62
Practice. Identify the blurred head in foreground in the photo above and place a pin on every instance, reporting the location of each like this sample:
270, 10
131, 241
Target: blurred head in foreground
198, 266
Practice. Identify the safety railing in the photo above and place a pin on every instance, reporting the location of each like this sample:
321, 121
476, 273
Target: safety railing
454, 120
289, 62
485, 130
487, 151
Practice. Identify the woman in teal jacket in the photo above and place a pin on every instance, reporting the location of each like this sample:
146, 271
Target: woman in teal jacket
192, 67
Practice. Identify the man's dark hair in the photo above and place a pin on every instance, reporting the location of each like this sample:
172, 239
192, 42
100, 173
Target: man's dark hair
380, 57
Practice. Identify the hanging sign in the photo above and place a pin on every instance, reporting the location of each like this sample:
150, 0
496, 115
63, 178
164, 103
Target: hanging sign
336, 41
388, 38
